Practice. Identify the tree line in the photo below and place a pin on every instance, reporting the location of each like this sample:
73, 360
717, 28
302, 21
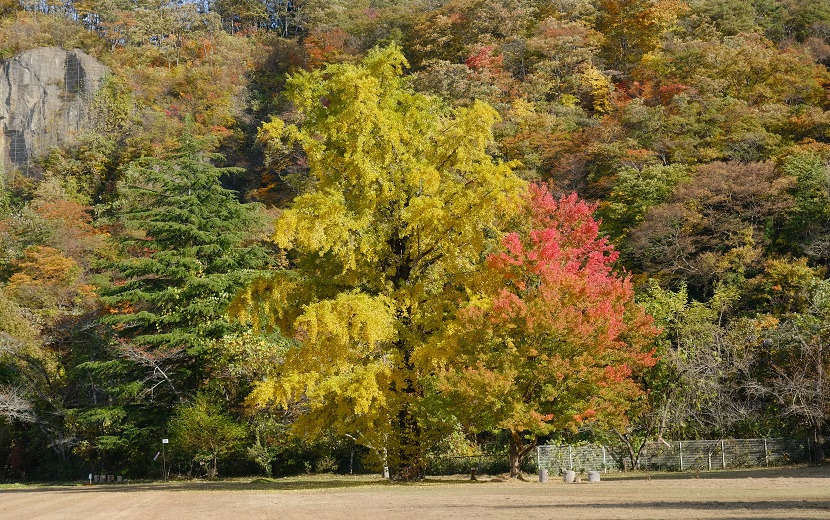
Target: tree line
297, 229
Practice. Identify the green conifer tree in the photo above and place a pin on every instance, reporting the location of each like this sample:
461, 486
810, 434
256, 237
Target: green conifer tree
187, 250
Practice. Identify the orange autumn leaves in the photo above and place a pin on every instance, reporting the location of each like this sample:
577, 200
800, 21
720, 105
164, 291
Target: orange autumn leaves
554, 338
49, 274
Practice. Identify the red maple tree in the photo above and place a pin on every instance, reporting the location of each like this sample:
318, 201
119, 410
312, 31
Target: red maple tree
554, 338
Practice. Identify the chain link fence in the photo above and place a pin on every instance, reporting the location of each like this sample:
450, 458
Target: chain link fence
677, 455
655, 456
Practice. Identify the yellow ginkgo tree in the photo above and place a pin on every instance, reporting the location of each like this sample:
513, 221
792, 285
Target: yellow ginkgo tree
402, 207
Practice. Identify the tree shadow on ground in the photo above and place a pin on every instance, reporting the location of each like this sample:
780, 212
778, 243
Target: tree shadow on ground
757, 508
318, 482
312, 482
804, 471
294, 484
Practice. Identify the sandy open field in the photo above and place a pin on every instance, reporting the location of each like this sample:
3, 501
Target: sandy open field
802, 493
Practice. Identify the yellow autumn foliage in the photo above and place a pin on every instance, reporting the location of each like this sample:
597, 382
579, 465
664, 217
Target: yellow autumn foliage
405, 203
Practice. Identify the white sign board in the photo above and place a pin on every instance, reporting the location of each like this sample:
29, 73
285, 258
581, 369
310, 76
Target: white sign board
165, 441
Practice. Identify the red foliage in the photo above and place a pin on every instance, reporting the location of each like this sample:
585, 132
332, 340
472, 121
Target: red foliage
325, 46
667, 92
484, 59
567, 334
559, 273
562, 246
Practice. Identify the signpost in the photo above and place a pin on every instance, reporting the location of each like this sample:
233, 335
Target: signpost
164, 458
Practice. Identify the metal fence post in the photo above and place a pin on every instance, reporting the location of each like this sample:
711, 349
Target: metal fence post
539, 459
766, 453
604, 461
570, 457
681, 454
722, 455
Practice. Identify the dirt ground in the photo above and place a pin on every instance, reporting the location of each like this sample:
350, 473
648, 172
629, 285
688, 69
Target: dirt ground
802, 493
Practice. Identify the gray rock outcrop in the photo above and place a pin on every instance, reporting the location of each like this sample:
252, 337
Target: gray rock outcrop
45, 99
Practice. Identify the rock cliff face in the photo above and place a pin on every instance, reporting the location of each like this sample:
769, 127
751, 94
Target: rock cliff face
45, 99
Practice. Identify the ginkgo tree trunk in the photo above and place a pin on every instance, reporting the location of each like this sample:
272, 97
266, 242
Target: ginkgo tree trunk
552, 338
404, 205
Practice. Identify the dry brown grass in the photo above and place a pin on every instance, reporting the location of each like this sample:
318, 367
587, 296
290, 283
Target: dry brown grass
802, 493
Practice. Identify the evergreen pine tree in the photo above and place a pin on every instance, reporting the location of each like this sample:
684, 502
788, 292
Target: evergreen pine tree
187, 250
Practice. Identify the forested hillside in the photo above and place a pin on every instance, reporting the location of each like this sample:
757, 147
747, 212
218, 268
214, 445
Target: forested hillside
331, 235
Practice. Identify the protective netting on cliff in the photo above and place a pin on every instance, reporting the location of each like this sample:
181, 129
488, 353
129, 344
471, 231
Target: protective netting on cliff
32, 130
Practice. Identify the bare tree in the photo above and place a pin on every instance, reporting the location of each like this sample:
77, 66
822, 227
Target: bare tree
157, 364
14, 405
798, 362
